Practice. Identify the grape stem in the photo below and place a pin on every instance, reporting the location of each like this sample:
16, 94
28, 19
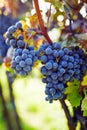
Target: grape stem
41, 23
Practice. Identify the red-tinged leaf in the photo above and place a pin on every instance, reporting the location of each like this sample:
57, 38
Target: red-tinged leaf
12, 6
84, 1
7, 62
16, 7
38, 41
83, 43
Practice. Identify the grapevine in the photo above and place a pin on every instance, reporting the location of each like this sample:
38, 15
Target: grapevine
62, 63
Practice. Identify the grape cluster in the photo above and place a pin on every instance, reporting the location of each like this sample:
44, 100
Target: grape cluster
60, 65
24, 55
5, 22
23, 60
15, 41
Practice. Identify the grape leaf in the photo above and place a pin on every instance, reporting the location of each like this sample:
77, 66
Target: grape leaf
32, 21
84, 106
72, 93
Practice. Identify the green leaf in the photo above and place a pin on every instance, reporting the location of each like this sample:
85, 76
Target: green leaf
72, 93
74, 98
84, 106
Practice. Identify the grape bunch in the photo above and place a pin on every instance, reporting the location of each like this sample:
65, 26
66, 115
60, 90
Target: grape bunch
15, 41
23, 60
5, 22
24, 55
60, 65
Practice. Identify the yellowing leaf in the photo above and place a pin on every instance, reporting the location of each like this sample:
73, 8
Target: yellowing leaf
32, 21
24, 25
84, 82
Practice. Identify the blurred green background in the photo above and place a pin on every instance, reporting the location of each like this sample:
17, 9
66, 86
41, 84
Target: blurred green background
34, 112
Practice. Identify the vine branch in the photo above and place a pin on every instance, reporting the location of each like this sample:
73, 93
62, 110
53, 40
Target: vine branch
71, 123
43, 29
5, 111
12, 101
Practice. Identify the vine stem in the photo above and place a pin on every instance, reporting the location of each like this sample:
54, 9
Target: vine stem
12, 101
5, 111
41, 23
71, 124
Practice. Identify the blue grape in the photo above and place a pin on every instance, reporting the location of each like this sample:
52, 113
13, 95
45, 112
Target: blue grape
48, 51
57, 45
44, 59
18, 25
62, 71
43, 70
60, 86
22, 72
18, 67
48, 65
12, 42
28, 61
27, 68
11, 29
54, 76
52, 91
64, 64
56, 53
22, 63
57, 96
20, 43
18, 59
44, 80
70, 65
61, 53
24, 56
55, 66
